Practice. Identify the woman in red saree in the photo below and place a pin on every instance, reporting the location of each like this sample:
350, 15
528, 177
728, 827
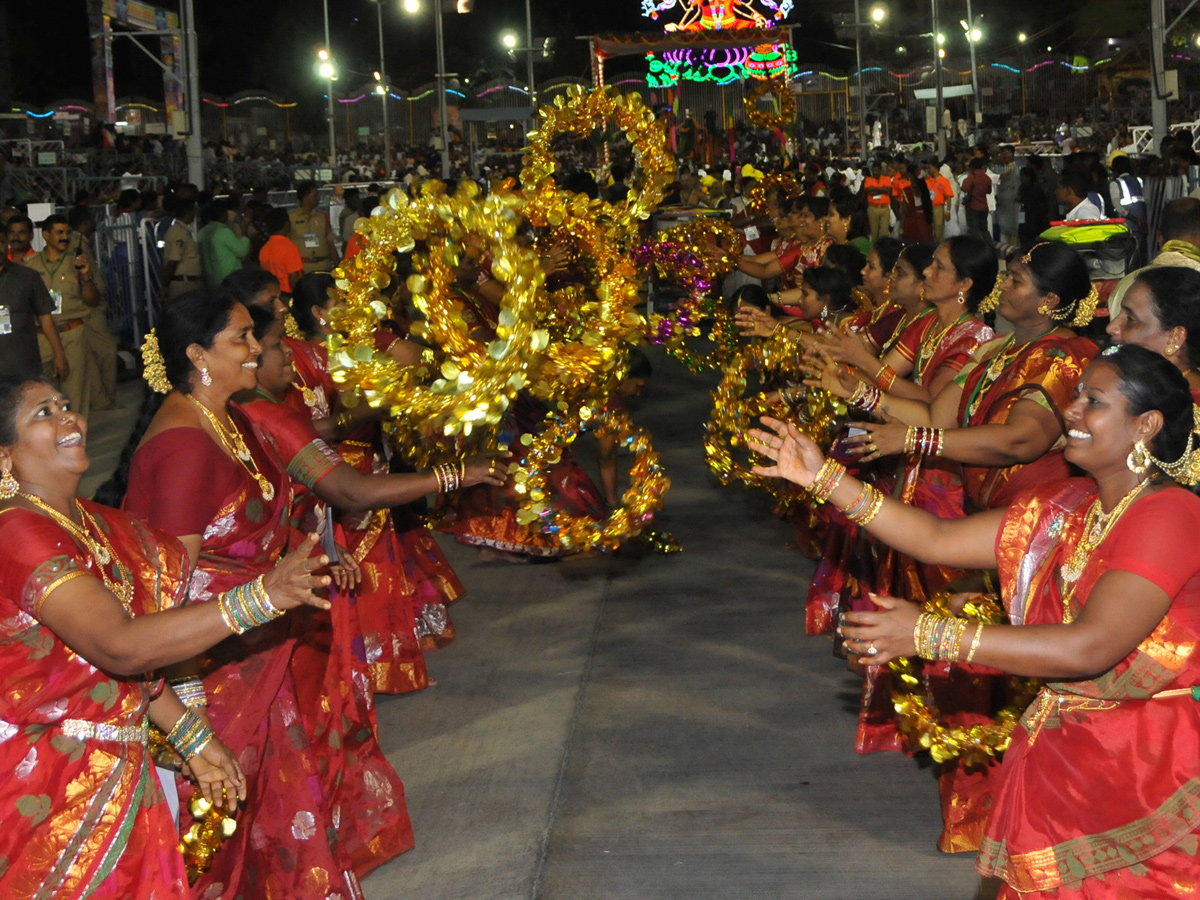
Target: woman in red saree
91, 602
846, 567
402, 608
1098, 795
229, 504
928, 355
1002, 419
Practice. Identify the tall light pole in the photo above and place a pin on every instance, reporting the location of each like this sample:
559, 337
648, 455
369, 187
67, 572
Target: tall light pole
328, 71
529, 56
441, 82
382, 89
877, 16
974, 35
937, 75
194, 145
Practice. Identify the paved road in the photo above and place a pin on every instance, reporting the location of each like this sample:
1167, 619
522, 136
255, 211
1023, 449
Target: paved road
653, 728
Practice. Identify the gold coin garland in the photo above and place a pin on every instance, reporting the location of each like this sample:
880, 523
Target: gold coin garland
734, 413
478, 380
648, 481
581, 112
975, 745
786, 100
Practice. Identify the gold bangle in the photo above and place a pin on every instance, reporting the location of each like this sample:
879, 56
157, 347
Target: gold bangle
975, 642
874, 505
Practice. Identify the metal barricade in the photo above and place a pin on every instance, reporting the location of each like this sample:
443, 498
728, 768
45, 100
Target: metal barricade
120, 252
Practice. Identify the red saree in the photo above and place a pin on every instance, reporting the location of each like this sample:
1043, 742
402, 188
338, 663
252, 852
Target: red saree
81, 816
400, 618
1099, 796
934, 485
1046, 370
294, 839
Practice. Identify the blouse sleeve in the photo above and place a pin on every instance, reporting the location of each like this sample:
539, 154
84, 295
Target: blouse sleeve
180, 480
39, 557
295, 441
1156, 540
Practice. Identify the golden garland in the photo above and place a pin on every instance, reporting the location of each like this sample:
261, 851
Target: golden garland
648, 481
579, 113
734, 413
973, 744
786, 99
478, 380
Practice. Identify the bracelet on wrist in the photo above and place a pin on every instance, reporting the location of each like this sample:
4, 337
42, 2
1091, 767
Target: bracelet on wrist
939, 638
247, 606
190, 692
885, 378
919, 442
190, 735
826, 480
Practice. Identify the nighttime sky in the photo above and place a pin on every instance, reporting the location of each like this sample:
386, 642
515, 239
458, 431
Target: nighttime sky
270, 44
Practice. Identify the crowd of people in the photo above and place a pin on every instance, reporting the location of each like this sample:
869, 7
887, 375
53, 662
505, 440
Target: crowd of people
1005, 498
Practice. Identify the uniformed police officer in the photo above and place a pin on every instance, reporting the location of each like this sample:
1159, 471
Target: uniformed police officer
182, 270
310, 230
73, 288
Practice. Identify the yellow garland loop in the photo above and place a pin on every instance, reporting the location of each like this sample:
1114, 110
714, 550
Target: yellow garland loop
782, 90
478, 381
648, 481
579, 113
591, 325
733, 414
974, 744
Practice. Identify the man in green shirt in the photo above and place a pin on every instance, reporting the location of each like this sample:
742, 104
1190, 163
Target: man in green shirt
221, 250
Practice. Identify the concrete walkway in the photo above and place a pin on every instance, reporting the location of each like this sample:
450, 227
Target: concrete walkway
655, 727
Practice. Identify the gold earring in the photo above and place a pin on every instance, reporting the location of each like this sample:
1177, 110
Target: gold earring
205, 378
1138, 459
1043, 310
8, 485
1170, 351
962, 297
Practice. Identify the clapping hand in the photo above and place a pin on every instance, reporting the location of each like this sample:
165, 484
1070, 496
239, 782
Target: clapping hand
292, 582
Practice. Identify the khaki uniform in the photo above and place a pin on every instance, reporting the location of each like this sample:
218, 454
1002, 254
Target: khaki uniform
102, 345
310, 232
180, 247
71, 320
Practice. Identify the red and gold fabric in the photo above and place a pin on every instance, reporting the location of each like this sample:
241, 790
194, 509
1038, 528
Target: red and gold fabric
301, 832
1099, 795
81, 810
1046, 371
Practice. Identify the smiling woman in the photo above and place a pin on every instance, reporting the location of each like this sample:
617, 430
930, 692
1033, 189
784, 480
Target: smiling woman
87, 614
203, 473
1102, 579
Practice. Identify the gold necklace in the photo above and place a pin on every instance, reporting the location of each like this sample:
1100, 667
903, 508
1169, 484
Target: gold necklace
233, 442
1096, 527
101, 550
930, 344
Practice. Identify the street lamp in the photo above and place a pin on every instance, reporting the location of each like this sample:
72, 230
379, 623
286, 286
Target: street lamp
938, 55
413, 6
878, 14
974, 34
1022, 37
381, 88
327, 71
509, 40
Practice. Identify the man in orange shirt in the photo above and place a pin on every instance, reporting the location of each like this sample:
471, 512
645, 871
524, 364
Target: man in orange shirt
941, 192
879, 201
280, 256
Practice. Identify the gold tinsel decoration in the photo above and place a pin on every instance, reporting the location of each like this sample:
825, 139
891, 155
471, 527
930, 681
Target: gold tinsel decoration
974, 745
785, 99
477, 380
648, 481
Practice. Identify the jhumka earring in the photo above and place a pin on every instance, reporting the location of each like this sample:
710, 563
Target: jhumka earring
8, 485
1138, 459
